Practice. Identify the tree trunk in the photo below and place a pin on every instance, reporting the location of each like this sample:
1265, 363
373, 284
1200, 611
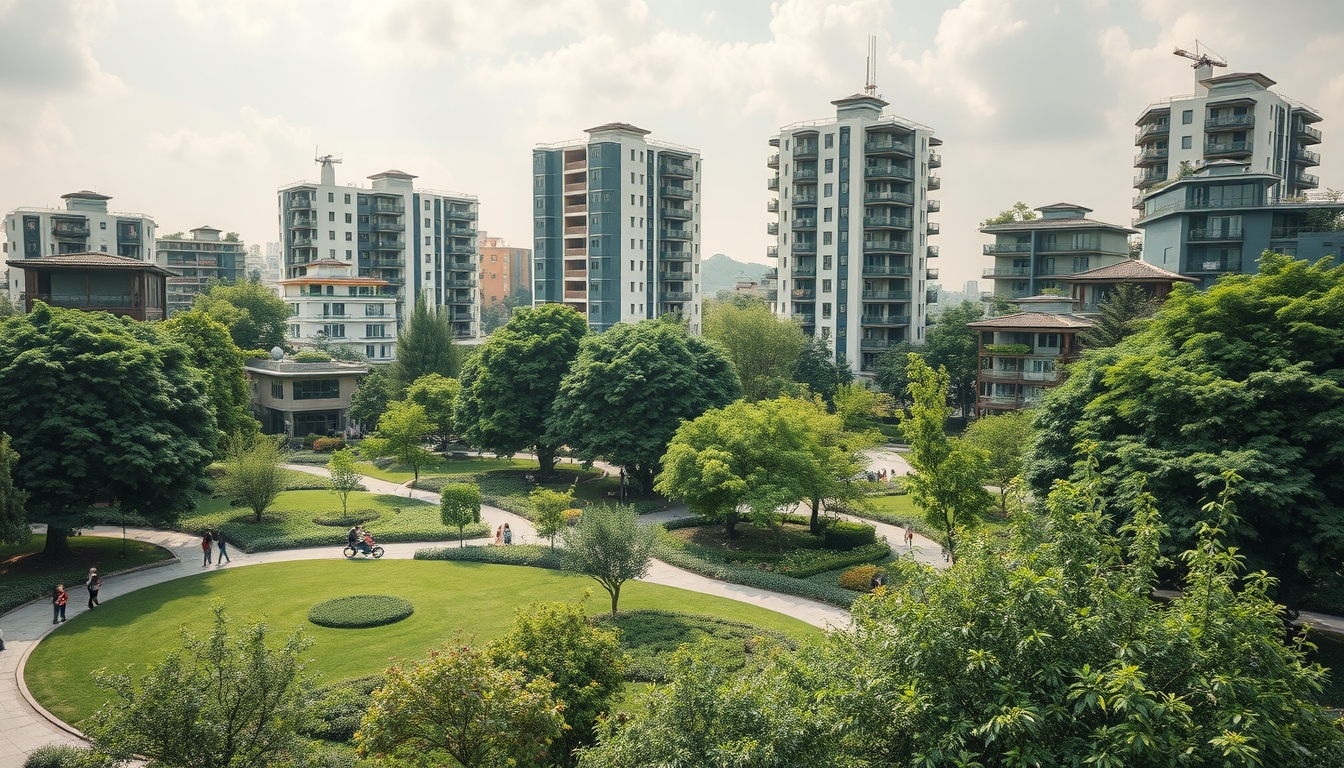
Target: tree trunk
58, 543
257, 513
644, 475
730, 523
545, 460
816, 517
1003, 500
461, 542
615, 596
951, 544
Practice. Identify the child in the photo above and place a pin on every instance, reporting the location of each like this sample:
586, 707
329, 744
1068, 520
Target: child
58, 601
499, 535
205, 547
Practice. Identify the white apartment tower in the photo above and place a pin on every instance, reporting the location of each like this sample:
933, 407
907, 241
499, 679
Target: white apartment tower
617, 227
416, 244
852, 235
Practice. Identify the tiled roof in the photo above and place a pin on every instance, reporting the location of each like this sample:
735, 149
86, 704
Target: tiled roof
1129, 270
85, 194
1034, 320
1079, 223
87, 260
618, 127
1064, 206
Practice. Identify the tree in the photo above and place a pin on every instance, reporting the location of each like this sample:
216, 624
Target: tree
1002, 438
438, 396
946, 481
816, 368
255, 316
401, 434
1241, 376
225, 700
370, 398
101, 409
508, 388
230, 237
954, 345
460, 506
610, 545
424, 346
253, 477
459, 705
1119, 315
345, 476
891, 375
548, 511
631, 387
220, 362
859, 407
1019, 212
557, 642
762, 347
13, 520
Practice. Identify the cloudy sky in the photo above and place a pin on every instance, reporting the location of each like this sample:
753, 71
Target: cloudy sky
195, 111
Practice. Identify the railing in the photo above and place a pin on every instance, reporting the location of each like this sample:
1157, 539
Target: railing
128, 235
806, 318
387, 207
887, 270
301, 241
674, 233
886, 221
882, 246
933, 206
577, 229
1152, 129
467, 283
1278, 232
1229, 148
574, 165
303, 221
388, 245
674, 295
69, 229
772, 295
1306, 156
576, 186
773, 205
83, 301
1220, 233
1151, 154
935, 182
1144, 179
935, 160
1216, 265
805, 247
1302, 129
1307, 179
887, 171
576, 294
933, 251
931, 273
805, 198
804, 174
676, 170
460, 231
874, 344
884, 321
773, 161
888, 145
805, 150
669, 255
378, 226
886, 295
772, 251
1006, 272
457, 212
577, 207
805, 222
797, 271
934, 228
673, 276
996, 248
681, 214
803, 294
771, 184
1229, 121
772, 228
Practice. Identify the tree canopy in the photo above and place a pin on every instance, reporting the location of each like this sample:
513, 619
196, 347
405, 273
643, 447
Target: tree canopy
610, 545
371, 397
13, 519
1003, 438
631, 387
816, 367
256, 318
1019, 212
101, 409
1118, 316
220, 362
424, 346
438, 396
1242, 376
460, 506
401, 434
763, 348
509, 386
951, 344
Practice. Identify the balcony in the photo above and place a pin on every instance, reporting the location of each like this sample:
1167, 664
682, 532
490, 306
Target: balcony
459, 231
805, 150
805, 222
885, 296
1306, 133
874, 343
887, 172
463, 249
386, 206
302, 220
885, 270
1214, 149
575, 187
70, 229
466, 283
772, 228
934, 228
771, 184
1149, 178
1215, 266
674, 295
803, 294
900, 198
773, 161
1151, 129
884, 321
932, 251
674, 233
931, 273
388, 245
576, 165
1152, 155
772, 295
1221, 233
460, 212
933, 206
804, 174
676, 170
886, 246
381, 226
886, 222
935, 160
576, 207
577, 229
576, 294
805, 198
772, 251
1306, 157
995, 272
773, 205
1230, 121
997, 248
301, 201
671, 255
805, 247
674, 276
888, 146
801, 271
935, 182
1306, 179
301, 241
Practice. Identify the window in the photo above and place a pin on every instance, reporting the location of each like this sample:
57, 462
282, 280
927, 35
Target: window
334, 330
347, 216
632, 155
632, 177
348, 254
331, 215
828, 190
331, 252
632, 199
1050, 340
321, 389
1185, 142
373, 310
294, 331
368, 350
347, 202
825, 310
102, 225
426, 205
277, 390
331, 197
826, 214
632, 243
825, 238
375, 331
830, 165
348, 237
830, 140
826, 286
1187, 117
826, 261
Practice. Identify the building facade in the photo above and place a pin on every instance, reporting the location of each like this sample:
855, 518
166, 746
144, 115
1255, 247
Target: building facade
1220, 219
1023, 354
1033, 255
334, 306
93, 282
504, 269
851, 239
617, 227
1230, 117
85, 225
196, 261
421, 243
298, 399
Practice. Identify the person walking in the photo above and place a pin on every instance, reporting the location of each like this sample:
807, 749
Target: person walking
499, 535
205, 547
909, 537
94, 583
222, 544
508, 535
58, 600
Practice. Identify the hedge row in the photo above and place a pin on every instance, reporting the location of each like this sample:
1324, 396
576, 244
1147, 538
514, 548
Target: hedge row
535, 555
238, 535
674, 553
19, 591
802, 563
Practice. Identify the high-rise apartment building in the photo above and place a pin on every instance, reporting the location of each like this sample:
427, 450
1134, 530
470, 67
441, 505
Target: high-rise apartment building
852, 234
84, 226
421, 243
504, 270
196, 261
1033, 255
1230, 117
618, 227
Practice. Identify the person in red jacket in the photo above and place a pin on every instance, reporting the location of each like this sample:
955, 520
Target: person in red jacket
58, 601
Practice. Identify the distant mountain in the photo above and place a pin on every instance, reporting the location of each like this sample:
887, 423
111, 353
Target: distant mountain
720, 272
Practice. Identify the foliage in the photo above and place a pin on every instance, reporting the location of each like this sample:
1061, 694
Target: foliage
859, 407
947, 476
66, 756
324, 444
802, 563
222, 699
311, 356
369, 401
650, 638
534, 555
459, 705
817, 369
14, 527
345, 519
220, 362
1008, 349
401, 434
509, 386
548, 511
22, 586
844, 535
460, 506
253, 476
345, 476
557, 642
495, 314
610, 545
954, 345
1241, 376
860, 578
438, 396
337, 708
424, 346
255, 316
360, 611
762, 347
1019, 212
890, 375
1118, 316
631, 387
1003, 438
101, 409
674, 552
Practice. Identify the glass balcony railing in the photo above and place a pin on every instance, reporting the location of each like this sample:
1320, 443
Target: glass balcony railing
1219, 233
901, 198
935, 182
773, 161
933, 206
771, 184
804, 174
805, 198
772, 228
805, 150
72, 229
994, 272
676, 170
1306, 156
886, 246
1152, 129
885, 295
896, 222
1305, 131
888, 145
885, 270
887, 172
1230, 121
1229, 148
805, 222
679, 214
773, 205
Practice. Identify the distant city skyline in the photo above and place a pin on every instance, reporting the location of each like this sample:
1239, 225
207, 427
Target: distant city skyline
195, 112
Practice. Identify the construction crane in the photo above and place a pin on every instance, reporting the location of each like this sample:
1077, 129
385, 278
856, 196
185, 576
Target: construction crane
1202, 58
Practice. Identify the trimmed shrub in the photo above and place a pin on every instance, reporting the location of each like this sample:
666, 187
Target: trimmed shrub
310, 438
338, 519
650, 637
534, 555
65, 756
312, 356
360, 611
809, 562
860, 578
572, 517
325, 444
338, 708
673, 552
842, 534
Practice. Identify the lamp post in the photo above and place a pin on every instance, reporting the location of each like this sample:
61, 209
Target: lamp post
123, 530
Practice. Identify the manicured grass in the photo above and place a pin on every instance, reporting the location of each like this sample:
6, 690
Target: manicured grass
26, 575
403, 474
477, 599
289, 522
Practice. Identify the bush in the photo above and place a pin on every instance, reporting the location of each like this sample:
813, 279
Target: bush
860, 578
310, 438
809, 562
843, 534
572, 517
338, 708
312, 356
673, 552
650, 637
360, 611
337, 519
324, 444
534, 555
65, 756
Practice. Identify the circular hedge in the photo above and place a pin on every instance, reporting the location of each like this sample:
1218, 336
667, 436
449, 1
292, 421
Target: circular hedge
353, 517
360, 611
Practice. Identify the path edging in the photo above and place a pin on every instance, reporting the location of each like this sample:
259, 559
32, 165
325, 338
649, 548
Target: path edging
173, 560
28, 696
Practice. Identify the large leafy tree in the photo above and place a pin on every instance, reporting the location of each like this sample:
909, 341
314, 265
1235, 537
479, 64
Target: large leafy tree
424, 346
1242, 376
954, 345
13, 519
509, 386
631, 387
1118, 316
891, 376
1003, 438
460, 506
438, 395
221, 364
371, 398
255, 316
610, 545
401, 434
816, 368
253, 477
101, 409
763, 348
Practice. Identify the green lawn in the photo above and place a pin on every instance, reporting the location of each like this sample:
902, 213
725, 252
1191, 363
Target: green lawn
478, 599
403, 474
24, 575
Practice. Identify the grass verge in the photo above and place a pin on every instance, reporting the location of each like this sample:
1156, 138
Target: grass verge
25, 575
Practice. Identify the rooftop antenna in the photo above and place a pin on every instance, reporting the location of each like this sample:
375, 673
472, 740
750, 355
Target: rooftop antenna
870, 74
1205, 59
328, 163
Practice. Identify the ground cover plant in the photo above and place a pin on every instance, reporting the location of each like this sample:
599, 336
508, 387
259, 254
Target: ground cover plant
360, 611
140, 627
651, 637
25, 575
